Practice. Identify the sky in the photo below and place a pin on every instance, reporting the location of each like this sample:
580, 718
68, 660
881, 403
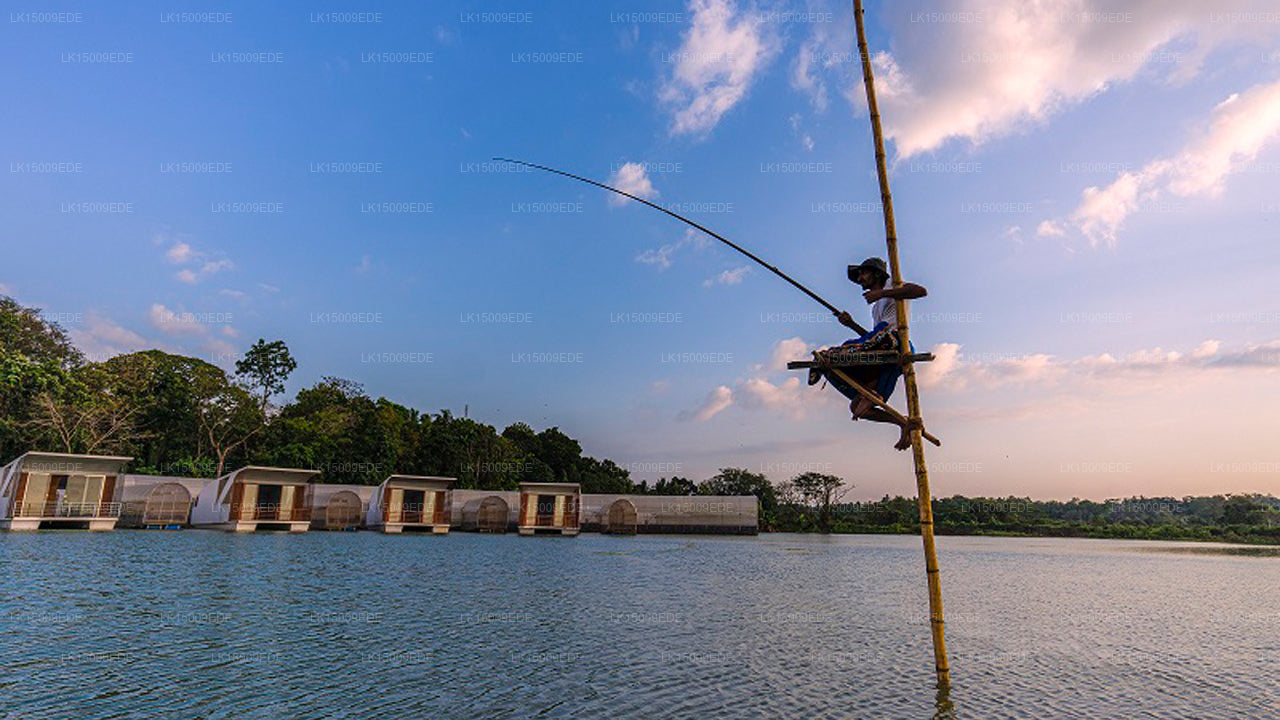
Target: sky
1088, 190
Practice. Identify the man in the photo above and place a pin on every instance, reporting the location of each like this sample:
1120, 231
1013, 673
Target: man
871, 276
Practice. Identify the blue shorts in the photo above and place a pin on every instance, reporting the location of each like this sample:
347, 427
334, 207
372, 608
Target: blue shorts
880, 378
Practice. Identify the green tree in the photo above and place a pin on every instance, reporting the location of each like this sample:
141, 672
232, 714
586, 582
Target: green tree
523, 436
603, 476
560, 452
265, 367
737, 481
819, 492
171, 441
676, 485
228, 414
24, 332
36, 357
94, 410
1243, 510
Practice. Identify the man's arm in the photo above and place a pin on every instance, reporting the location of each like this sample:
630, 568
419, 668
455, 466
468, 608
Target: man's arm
906, 291
847, 320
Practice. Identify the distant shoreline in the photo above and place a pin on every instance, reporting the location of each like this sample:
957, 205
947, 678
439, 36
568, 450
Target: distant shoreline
1115, 532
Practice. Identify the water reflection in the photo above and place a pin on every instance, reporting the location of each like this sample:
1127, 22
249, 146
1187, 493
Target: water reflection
943, 708
1267, 551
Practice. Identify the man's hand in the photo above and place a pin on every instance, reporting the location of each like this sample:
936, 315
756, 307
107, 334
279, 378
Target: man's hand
873, 295
845, 319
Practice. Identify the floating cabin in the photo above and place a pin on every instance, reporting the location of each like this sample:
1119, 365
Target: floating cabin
700, 514
52, 490
550, 508
256, 498
339, 507
157, 501
412, 503
486, 511
60, 490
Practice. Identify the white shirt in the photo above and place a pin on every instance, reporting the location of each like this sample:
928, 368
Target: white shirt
884, 310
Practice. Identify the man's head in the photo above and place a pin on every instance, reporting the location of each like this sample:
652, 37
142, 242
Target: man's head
871, 273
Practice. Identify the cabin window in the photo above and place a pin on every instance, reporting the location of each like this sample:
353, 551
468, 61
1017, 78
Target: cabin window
268, 504
413, 506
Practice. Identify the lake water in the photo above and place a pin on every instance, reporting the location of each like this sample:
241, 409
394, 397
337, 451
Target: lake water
198, 624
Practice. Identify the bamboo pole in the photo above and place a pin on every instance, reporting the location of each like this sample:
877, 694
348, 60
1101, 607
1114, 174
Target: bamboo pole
924, 499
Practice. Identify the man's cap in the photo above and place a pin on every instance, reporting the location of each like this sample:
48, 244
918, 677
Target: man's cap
873, 263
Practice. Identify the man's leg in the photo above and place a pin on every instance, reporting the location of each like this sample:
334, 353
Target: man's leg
863, 409
877, 384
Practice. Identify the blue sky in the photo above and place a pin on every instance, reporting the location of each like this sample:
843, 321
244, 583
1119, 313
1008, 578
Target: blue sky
1089, 192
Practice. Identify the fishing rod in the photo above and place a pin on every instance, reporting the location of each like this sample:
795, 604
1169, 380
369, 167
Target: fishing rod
835, 310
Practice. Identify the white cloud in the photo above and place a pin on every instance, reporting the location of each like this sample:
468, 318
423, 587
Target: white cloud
802, 70
190, 325
180, 253
220, 351
234, 294
787, 350
100, 337
631, 178
216, 266
1208, 348
787, 397
174, 323
658, 256
796, 126
1241, 126
268, 288
662, 256
5, 289
1050, 228
717, 400
1018, 64
952, 371
719, 58
365, 265
728, 277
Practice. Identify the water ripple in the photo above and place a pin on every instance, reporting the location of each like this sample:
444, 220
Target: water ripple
210, 625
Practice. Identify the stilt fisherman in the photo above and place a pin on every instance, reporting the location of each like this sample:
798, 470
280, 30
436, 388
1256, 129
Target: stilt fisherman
871, 275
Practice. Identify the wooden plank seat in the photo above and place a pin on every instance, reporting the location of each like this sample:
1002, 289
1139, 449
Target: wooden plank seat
869, 357
863, 359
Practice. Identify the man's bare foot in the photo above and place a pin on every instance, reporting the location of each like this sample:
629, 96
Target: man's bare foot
904, 441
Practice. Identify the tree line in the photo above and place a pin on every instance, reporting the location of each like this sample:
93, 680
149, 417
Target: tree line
179, 415
1247, 518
